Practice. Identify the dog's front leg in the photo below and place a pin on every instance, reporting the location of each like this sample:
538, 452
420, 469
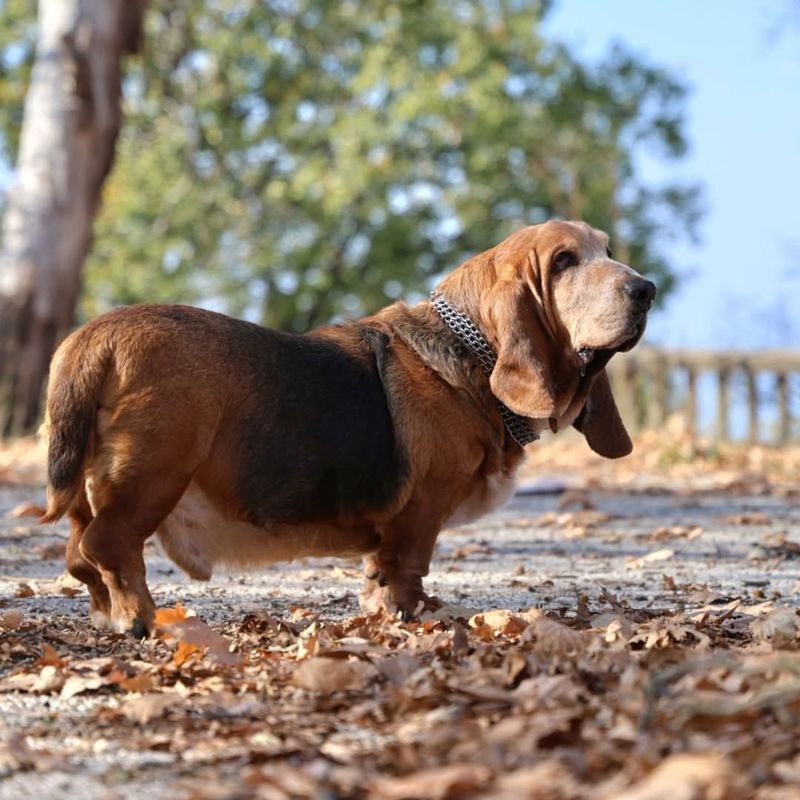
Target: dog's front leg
394, 574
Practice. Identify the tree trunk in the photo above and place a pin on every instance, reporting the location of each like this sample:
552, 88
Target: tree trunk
69, 131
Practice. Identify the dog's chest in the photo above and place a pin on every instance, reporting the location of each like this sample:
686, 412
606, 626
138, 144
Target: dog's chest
485, 495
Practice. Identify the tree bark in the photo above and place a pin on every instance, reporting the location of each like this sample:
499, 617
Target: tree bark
69, 131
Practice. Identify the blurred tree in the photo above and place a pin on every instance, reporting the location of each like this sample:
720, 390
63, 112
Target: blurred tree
66, 147
295, 161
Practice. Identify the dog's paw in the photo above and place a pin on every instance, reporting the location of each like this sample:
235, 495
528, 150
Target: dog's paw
379, 596
139, 629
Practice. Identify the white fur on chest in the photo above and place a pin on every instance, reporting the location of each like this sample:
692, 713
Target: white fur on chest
489, 494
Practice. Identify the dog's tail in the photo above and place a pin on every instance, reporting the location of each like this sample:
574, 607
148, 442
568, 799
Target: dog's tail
77, 375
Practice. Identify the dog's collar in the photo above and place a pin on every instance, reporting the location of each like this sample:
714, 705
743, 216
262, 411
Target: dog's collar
470, 335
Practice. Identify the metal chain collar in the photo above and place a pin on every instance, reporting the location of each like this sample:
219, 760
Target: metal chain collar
469, 334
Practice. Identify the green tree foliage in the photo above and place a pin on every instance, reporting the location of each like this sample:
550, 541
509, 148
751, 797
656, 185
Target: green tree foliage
295, 161
17, 37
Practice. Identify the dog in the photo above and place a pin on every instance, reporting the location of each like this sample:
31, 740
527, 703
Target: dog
240, 445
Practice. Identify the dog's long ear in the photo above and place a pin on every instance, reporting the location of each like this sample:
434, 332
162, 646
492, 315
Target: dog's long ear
600, 422
521, 378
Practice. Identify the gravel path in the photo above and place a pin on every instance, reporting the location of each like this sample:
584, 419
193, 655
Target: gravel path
541, 549
656, 550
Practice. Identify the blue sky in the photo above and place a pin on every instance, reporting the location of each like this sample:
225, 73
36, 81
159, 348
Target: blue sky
741, 62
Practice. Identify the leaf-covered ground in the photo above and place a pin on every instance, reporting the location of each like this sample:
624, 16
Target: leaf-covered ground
599, 644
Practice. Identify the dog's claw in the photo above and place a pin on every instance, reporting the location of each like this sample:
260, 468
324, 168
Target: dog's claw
139, 629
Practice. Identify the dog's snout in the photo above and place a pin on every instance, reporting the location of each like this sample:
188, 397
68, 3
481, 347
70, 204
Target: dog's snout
640, 290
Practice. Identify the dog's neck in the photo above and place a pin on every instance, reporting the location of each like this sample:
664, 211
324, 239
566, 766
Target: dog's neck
471, 337
450, 355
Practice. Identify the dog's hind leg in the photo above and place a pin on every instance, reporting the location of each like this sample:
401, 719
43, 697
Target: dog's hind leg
114, 543
83, 570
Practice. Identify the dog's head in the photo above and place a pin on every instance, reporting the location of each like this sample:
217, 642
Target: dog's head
556, 306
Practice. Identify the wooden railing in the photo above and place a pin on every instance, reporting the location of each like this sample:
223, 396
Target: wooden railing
651, 384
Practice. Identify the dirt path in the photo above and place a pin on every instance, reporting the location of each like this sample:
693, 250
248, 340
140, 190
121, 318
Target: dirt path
541, 549
656, 552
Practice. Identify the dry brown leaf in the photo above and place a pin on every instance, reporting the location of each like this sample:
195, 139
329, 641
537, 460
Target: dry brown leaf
472, 549
50, 657
147, 707
16, 755
583, 519
169, 616
448, 613
549, 780
460, 639
195, 635
398, 668
676, 532
438, 783
650, 558
49, 679
780, 625
24, 590
325, 674
78, 684
689, 776
141, 682
549, 637
11, 620
747, 518
499, 621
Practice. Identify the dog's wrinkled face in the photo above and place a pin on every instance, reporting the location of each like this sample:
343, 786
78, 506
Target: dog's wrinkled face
555, 306
601, 303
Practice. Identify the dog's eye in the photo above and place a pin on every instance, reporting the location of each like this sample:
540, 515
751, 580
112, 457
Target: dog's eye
609, 253
564, 260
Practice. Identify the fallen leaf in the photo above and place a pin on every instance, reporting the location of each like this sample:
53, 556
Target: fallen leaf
11, 620
499, 621
449, 612
50, 679
169, 616
747, 518
50, 657
142, 682
16, 755
438, 783
325, 674
656, 555
689, 776
194, 635
147, 707
780, 626
473, 549
549, 637
78, 684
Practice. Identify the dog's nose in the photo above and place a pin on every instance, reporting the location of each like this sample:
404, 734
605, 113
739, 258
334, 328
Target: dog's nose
640, 290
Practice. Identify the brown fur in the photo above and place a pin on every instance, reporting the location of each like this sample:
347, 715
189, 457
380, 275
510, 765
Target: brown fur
242, 445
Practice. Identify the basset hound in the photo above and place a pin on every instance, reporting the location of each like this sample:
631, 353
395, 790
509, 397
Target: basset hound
241, 445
